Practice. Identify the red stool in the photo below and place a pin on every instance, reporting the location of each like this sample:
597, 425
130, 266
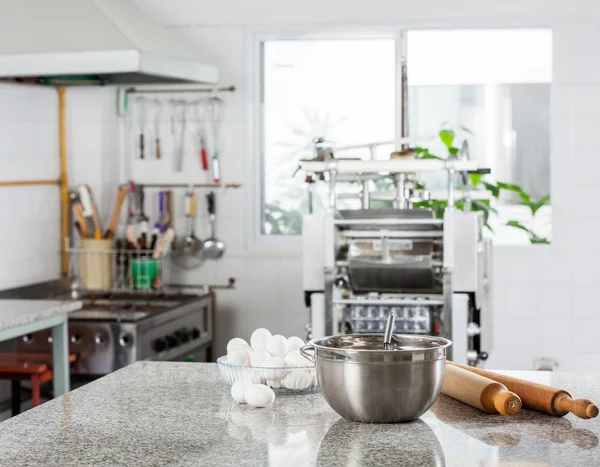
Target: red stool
35, 367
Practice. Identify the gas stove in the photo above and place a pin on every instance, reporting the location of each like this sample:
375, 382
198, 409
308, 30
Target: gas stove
113, 330
127, 307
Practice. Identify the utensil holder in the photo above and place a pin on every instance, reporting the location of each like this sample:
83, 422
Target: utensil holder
144, 271
96, 263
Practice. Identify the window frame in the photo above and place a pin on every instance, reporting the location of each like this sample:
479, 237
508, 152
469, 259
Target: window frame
258, 240
260, 243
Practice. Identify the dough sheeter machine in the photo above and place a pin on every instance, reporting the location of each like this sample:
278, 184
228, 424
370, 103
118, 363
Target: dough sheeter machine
360, 264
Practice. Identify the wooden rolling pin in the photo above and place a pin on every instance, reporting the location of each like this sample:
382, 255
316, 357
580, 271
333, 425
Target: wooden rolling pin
538, 397
480, 392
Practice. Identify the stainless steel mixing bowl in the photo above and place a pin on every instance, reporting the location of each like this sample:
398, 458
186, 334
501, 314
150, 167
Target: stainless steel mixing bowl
365, 383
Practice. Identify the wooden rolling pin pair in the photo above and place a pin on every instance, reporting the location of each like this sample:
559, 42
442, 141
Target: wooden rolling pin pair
495, 393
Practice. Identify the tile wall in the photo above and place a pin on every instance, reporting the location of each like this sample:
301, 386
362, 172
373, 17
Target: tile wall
544, 297
544, 300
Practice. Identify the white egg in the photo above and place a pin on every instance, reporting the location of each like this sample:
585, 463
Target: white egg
294, 343
235, 342
238, 356
238, 390
260, 339
275, 368
253, 376
274, 383
258, 357
259, 395
277, 345
297, 380
294, 358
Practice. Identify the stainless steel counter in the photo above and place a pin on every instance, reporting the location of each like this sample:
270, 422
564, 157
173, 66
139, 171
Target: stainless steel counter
162, 413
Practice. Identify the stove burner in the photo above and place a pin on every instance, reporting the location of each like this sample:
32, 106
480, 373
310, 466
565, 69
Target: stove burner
132, 304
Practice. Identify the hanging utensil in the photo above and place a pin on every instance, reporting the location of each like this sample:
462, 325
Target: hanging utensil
157, 116
200, 130
179, 134
141, 121
214, 109
188, 253
161, 224
212, 247
169, 212
142, 220
132, 204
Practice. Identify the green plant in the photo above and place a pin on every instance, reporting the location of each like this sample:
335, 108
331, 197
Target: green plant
280, 221
448, 138
477, 182
533, 205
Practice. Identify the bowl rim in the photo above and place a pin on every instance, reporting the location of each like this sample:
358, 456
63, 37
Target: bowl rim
444, 344
222, 360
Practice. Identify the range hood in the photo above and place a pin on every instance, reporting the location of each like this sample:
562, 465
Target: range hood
112, 41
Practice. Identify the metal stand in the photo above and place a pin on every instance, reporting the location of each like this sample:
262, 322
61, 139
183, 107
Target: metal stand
60, 358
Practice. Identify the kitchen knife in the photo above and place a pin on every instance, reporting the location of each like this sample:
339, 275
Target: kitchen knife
553, 401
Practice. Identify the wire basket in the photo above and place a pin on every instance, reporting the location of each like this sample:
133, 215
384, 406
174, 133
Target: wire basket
99, 266
285, 381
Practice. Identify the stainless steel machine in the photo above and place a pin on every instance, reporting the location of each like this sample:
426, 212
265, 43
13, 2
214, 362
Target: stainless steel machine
113, 330
359, 264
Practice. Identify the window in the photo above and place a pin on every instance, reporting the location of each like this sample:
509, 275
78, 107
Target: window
339, 90
494, 83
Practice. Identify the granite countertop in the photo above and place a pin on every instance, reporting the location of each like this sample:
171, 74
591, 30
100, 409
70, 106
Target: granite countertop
19, 312
181, 414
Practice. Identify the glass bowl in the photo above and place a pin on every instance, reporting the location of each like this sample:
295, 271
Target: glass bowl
288, 381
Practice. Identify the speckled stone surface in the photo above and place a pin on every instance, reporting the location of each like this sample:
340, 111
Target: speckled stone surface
18, 312
181, 414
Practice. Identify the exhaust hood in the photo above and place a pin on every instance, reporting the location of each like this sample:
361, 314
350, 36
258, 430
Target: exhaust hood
108, 41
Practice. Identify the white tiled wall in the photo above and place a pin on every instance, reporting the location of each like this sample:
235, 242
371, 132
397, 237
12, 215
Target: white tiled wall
544, 302
29, 216
29, 150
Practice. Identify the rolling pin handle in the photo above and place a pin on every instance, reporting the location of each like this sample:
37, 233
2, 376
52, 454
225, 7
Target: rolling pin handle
507, 403
582, 408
